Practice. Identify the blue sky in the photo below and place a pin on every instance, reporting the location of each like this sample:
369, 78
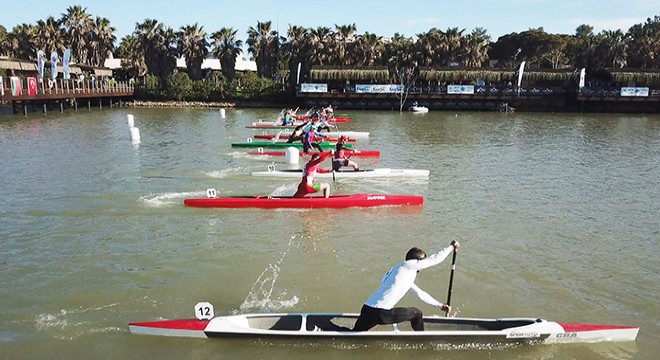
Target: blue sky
383, 17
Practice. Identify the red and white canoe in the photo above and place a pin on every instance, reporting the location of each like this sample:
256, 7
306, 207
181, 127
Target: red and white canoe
310, 202
356, 153
286, 136
450, 330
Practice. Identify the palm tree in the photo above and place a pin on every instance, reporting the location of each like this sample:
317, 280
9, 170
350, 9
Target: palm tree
3, 40
100, 42
612, 48
368, 50
132, 56
476, 48
296, 47
262, 42
157, 44
319, 45
20, 42
77, 24
429, 47
227, 48
194, 47
344, 36
49, 36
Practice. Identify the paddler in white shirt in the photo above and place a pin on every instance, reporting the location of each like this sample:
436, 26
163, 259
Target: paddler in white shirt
380, 308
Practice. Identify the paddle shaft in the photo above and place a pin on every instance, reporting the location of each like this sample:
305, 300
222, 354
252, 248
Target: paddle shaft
451, 279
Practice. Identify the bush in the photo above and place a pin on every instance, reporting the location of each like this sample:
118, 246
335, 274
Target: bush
178, 86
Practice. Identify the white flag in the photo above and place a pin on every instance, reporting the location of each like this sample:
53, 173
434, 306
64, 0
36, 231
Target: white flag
582, 74
520, 72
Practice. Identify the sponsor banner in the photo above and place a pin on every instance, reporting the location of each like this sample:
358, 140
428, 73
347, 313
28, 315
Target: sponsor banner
634, 91
15, 86
41, 60
32, 86
2, 87
65, 64
313, 88
460, 89
53, 64
379, 89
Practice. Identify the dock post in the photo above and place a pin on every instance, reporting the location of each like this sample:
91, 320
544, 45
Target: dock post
75, 104
45, 108
61, 107
25, 109
89, 104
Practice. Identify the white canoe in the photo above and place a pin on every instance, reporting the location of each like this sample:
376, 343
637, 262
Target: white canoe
337, 326
346, 173
334, 134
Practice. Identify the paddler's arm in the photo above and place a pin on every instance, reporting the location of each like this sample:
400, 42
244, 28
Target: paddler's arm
324, 155
427, 298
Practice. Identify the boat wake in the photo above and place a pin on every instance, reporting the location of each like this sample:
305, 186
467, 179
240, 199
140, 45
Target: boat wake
261, 295
169, 199
70, 324
220, 174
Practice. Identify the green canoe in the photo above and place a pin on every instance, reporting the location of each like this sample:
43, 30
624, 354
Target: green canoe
280, 145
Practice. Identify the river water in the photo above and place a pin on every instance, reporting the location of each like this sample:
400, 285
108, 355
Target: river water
557, 215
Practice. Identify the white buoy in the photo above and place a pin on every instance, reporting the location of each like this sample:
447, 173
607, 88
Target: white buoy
130, 120
222, 113
291, 155
135, 135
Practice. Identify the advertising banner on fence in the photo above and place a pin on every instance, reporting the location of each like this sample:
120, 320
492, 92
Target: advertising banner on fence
15, 86
32, 86
379, 89
313, 88
460, 89
634, 91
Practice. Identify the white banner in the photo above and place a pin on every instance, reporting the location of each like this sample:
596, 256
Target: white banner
41, 60
53, 65
379, 89
460, 89
520, 72
582, 74
313, 88
2, 87
634, 91
65, 64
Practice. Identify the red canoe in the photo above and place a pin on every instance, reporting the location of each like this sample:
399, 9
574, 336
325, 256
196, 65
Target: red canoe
269, 137
312, 202
356, 153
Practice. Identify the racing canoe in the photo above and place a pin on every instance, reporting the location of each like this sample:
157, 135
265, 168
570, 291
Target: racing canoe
346, 173
309, 202
281, 144
286, 136
355, 153
452, 330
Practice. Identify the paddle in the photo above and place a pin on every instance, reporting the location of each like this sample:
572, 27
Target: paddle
451, 280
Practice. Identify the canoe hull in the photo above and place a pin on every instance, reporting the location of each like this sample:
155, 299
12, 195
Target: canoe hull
360, 153
310, 202
280, 145
337, 326
348, 173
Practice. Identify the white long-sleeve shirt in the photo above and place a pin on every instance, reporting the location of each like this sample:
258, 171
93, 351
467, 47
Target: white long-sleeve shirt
401, 279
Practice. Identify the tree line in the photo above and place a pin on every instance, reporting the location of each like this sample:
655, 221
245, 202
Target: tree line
150, 52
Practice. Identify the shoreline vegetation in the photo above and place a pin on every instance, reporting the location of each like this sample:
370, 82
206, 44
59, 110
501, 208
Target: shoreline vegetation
202, 104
